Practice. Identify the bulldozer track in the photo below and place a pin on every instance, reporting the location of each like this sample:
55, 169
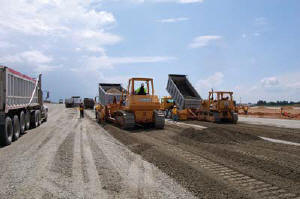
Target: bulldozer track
262, 157
245, 182
260, 188
129, 121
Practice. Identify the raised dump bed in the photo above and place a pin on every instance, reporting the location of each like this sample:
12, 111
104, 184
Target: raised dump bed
182, 92
107, 92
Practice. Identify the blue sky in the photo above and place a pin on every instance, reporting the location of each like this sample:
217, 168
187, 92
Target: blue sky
250, 47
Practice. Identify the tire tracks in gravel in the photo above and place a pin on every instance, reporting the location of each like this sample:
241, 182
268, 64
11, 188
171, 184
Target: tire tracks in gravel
171, 162
43, 181
279, 173
229, 174
140, 179
22, 158
255, 187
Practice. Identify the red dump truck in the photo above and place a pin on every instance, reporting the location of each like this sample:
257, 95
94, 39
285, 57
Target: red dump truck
21, 104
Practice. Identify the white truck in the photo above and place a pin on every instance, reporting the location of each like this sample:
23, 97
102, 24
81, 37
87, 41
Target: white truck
21, 104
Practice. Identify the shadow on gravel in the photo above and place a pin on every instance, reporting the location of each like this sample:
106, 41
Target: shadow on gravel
217, 135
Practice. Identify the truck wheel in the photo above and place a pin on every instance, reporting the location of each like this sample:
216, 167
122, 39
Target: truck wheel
27, 120
39, 117
34, 119
22, 122
16, 127
6, 132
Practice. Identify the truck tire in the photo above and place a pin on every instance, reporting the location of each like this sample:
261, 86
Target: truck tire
22, 122
39, 117
16, 128
27, 120
6, 132
34, 121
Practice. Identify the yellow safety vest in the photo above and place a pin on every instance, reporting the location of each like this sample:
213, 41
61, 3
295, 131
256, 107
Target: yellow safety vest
174, 111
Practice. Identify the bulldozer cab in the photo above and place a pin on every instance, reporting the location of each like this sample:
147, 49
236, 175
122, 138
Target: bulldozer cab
221, 100
136, 99
140, 86
221, 95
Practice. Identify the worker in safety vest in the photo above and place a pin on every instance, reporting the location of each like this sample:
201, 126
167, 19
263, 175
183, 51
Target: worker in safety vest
175, 113
81, 109
141, 90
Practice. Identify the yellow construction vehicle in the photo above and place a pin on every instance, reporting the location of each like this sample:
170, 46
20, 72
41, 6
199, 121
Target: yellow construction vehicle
133, 107
167, 104
218, 107
244, 108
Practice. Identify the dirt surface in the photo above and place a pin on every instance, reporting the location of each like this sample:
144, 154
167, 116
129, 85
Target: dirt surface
288, 112
293, 124
68, 157
221, 161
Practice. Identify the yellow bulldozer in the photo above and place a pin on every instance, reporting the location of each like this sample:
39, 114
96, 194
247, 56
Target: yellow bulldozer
136, 105
219, 106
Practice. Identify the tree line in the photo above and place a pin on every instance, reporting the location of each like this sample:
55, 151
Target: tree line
277, 103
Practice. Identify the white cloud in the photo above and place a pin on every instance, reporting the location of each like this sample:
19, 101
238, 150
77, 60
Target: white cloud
4, 44
281, 87
104, 62
44, 68
260, 21
269, 81
191, 1
180, 1
213, 81
173, 20
203, 41
32, 57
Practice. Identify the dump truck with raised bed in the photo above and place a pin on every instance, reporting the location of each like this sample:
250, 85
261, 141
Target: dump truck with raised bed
184, 95
182, 92
128, 108
21, 104
88, 103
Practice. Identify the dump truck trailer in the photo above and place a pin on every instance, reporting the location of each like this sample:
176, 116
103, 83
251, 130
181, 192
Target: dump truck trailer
183, 93
21, 104
109, 92
74, 101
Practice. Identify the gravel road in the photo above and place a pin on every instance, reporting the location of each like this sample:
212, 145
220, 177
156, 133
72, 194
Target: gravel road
68, 157
284, 123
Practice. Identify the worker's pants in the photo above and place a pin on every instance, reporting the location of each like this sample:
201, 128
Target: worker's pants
81, 113
175, 117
